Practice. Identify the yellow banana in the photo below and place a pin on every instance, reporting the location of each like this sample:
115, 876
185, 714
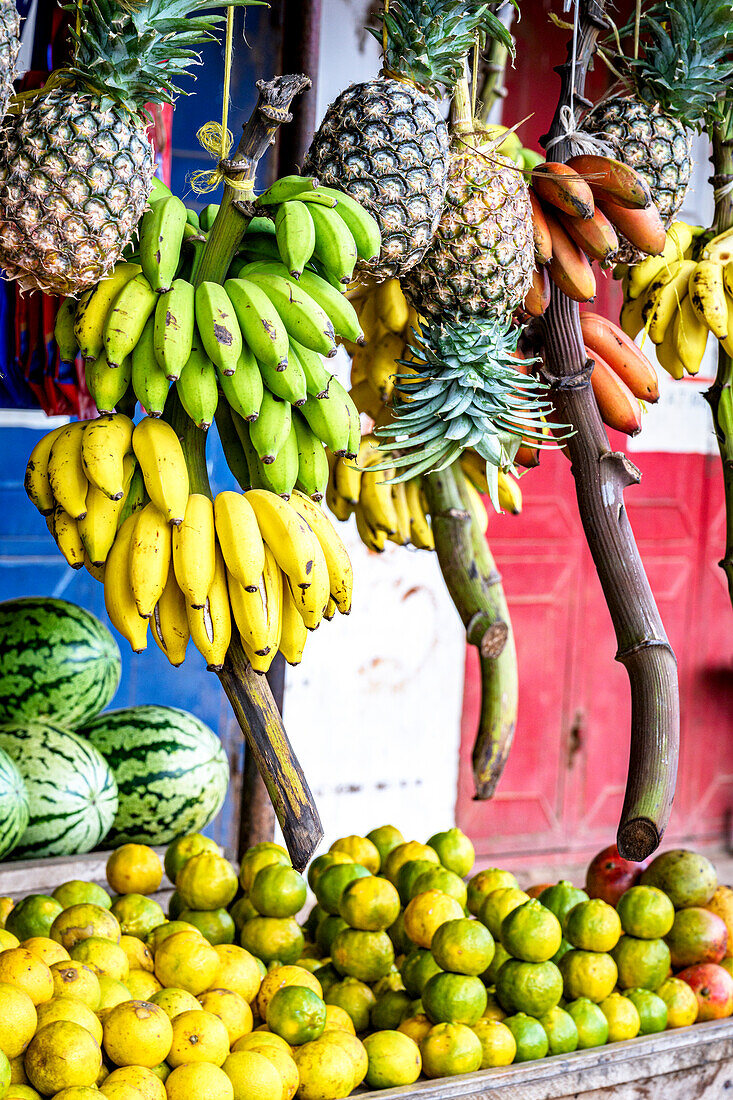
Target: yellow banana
510, 495
96, 571
98, 528
293, 634
372, 538
391, 306
94, 307
346, 477
104, 445
240, 538
160, 455
382, 365
399, 499
690, 337
66, 532
150, 558
336, 504
273, 578
727, 342
211, 625
194, 545
118, 597
331, 609
667, 352
474, 467
421, 534
728, 278
707, 295
338, 563
250, 614
36, 483
291, 540
375, 500
668, 300
720, 248
478, 508
631, 320
66, 472
169, 621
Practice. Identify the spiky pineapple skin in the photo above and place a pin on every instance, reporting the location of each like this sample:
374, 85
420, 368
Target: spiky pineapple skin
654, 143
75, 175
9, 46
482, 257
385, 142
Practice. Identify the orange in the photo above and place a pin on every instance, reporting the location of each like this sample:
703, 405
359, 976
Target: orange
278, 978
76, 892
560, 898
385, 838
455, 851
588, 974
104, 956
721, 904
338, 1019
187, 961
364, 955
498, 1045
132, 1081
499, 904
425, 914
283, 1062
164, 931
206, 881
417, 1026
261, 1038
681, 1002
79, 922
332, 882
534, 988
394, 1059
61, 1055
403, 853
24, 970
391, 1008
651, 1008
138, 915
591, 1024
137, 1033
47, 950
486, 881
409, 873
641, 963
258, 857
645, 912
134, 869
273, 939
416, 969
69, 1008
354, 997
200, 1079
560, 1029
253, 1076
463, 946
322, 863
141, 985
623, 1018
454, 999
77, 980
450, 1049
18, 1020
173, 1001
440, 878
361, 851
215, 925
32, 916
179, 851
237, 970
326, 1069
139, 955
354, 1047
593, 926
278, 891
296, 1014
198, 1036
232, 1010
371, 904
530, 932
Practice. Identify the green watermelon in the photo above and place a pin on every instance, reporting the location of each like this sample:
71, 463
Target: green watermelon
57, 662
72, 793
13, 805
171, 771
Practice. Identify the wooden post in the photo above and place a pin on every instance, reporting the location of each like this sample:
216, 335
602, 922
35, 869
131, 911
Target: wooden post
256, 813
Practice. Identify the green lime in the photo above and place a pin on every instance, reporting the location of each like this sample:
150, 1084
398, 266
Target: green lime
642, 964
559, 1025
278, 891
562, 950
396, 932
483, 883
33, 916
182, 849
416, 969
646, 912
409, 873
354, 997
364, 955
138, 915
215, 925
440, 878
322, 863
76, 892
531, 932
651, 1008
390, 1010
499, 904
593, 926
296, 1014
273, 939
463, 946
328, 976
327, 931
176, 906
588, 974
623, 1019
533, 988
454, 999
590, 1022
331, 884
529, 1035
561, 898
455, 851
449, 1050
500, 957
312, 921
384, 839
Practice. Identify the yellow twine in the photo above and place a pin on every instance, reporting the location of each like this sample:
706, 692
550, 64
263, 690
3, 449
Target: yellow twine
215, 137
78, 28
385, 39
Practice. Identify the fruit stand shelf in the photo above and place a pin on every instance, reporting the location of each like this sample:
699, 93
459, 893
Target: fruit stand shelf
693, 1063
42, 876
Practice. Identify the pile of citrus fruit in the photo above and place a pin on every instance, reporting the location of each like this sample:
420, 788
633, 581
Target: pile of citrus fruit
405, 965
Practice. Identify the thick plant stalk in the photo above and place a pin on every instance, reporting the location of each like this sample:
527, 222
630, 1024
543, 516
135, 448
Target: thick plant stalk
720, 394
600, 479
475, 587
248, 691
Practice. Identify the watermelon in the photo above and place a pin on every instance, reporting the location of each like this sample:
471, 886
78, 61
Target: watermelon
171, 771
13, 805
57, 662
72, 793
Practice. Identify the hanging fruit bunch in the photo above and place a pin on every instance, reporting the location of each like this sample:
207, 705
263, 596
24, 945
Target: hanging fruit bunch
9, 46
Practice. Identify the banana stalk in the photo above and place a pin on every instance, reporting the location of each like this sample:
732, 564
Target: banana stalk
475, 587
720, 394
249, 693
600, 479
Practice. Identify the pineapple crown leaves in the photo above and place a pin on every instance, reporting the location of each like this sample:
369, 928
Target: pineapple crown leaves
687, 60
463, 390
133, 53
427, 40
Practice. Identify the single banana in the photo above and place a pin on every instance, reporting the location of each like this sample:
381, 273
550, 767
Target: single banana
334, 246
510, 495
250, 615
376, 501
169, 621
211, 625
667, 352
690, 337
392, 306
194, 550
383, 365
288, 384
364, 228
104, 444
338, 563
707, 294
197, 387
271, 428
346, 477
329, 418
161, 237
317, 375
334, 303
403, 535
63, 330
331, 609
280, 475
240, 539
244, 389
98, 528
421, 534
262, 327
118, 597
174, 328
159, 453
668, 300
293, 634
107, 385
149, 382
312, 460
218, 326
302, 317
291, 540
36, 483
295, 234
96, 571
150, 558
94, 307
286, 188
273, 581
126, 319
65, 530
65, 468
373, 539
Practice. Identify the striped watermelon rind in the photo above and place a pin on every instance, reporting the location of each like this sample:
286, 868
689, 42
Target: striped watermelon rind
58, 663
171, 770
14, 810
72, 792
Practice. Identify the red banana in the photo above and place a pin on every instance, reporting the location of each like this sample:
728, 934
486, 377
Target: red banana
596, 236
569, 268
617, 405
542, 240
642, 228
560, 186
612, 180
538, 297
602, 337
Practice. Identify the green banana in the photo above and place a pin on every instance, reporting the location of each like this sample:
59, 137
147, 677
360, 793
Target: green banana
271, 428
136, 497
364, 228
126, 319
332, 301
174, 325
354, 441
261, 324
254, 466
197, 387
316, 374
192, 218
260, 224
158, 190
296, 235
287, 187
243, 389
280, 475
107, 385
231, 446
259, 246
312, 460
207, 216
288, 384
161, 237
329, 418
302, 316
335, 246
218, 326
63, 330
149, 382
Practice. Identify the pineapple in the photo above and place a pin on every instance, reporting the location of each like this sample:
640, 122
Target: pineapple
9, 46
482, 257
385, 142
677, 84
76, 165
